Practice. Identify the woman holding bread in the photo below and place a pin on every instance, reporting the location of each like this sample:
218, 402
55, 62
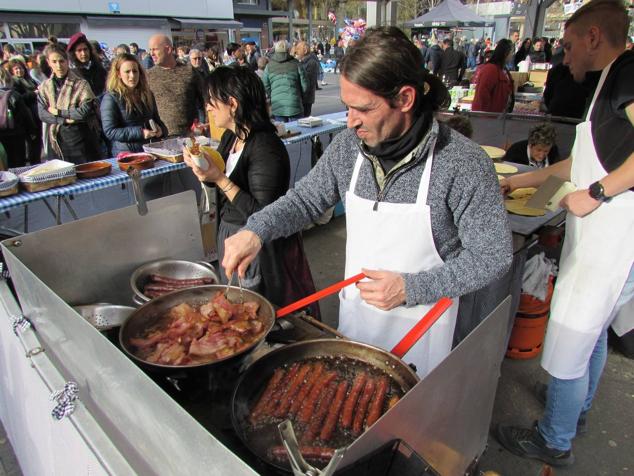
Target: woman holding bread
257, 173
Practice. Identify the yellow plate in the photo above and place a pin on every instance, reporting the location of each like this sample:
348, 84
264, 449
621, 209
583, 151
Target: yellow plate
505, 168
522, 193
214, 155
518, 207
494, 152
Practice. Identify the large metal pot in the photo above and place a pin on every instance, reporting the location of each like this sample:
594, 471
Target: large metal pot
150, 313
254, 379
171, 268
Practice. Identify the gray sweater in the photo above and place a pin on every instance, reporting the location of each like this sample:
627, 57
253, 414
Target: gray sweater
469, 223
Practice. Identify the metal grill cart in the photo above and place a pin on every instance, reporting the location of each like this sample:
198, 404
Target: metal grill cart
114, 418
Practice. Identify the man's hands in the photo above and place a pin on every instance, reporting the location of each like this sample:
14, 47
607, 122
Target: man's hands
386, 290
240, 250
579, 203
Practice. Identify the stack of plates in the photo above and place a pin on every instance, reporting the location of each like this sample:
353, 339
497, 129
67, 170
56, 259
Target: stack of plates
310, 122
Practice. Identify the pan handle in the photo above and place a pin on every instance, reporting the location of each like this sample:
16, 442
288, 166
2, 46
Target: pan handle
421, 327
319, 295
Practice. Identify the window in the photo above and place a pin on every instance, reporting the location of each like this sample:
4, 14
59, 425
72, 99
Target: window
42, 30
247, 2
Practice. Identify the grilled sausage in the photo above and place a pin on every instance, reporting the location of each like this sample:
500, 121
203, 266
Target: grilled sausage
376, 407
308, 406
291, 391
313, 453
362, 406
270, 406
348, 408
320, 413
162, 288
333, 412
266, 395
303, 393
157, 278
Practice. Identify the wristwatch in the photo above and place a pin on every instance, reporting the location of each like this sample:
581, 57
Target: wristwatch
597, 192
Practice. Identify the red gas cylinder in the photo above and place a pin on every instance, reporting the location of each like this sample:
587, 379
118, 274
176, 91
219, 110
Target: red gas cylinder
529, 328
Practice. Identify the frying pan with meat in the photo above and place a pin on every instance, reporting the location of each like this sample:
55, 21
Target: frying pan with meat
283, 384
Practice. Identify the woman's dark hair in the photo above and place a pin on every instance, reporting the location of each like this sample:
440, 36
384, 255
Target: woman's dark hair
502, 52
246, 88
373, 64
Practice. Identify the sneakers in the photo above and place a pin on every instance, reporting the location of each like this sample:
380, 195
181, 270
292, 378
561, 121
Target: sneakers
541, 389
528, 443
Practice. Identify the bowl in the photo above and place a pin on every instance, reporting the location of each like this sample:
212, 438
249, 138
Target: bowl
170, 268
93, 169
137, 161
104, 316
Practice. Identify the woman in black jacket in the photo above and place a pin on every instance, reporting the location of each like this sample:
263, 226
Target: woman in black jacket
22, 127
26, 86
128, 107
257, 173
85, 61
522, 52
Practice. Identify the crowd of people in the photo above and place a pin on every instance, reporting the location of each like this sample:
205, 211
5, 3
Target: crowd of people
426, 194
493, 62
78, 103
72, 101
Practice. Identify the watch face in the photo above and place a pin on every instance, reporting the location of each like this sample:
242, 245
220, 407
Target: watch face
596, 191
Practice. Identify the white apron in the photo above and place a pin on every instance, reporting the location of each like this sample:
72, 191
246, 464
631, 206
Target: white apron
597, 255
395, 237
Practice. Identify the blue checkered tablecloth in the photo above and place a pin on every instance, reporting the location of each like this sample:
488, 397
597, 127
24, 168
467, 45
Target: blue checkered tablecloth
332, 123
115, 177
335, 122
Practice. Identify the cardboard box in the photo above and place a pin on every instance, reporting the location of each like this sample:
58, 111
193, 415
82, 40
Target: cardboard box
518, 79
538, 78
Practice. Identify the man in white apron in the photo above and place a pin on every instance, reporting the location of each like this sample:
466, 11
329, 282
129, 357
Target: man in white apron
424, 215
596, 276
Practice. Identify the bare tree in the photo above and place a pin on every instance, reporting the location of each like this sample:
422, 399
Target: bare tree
409, 9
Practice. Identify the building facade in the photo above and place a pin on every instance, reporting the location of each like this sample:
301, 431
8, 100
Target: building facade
27, 26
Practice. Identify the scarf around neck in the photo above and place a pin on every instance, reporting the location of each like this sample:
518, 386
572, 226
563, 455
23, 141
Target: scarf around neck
391, 151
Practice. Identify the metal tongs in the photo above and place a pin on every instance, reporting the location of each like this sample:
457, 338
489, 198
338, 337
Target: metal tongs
298, 464
239, 284
135, 176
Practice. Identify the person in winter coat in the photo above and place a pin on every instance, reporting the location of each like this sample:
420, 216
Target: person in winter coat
432, 57
85, 61
257, 173
285, 83
68, 107
128, 107
26, 86
494, 91
13, 135
312, 68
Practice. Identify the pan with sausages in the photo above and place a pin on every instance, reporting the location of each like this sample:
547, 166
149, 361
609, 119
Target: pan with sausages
332, 390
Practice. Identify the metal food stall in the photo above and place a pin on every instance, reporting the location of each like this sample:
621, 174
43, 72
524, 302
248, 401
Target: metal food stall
106, 415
